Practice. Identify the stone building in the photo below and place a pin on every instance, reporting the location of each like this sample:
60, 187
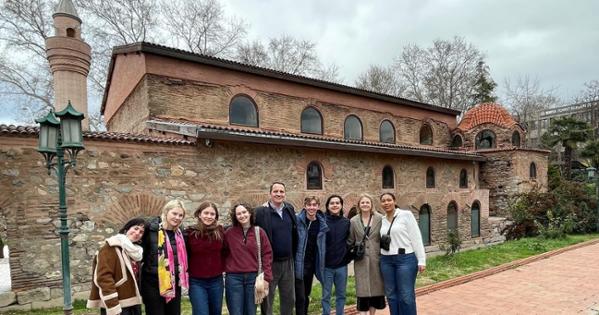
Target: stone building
193, 127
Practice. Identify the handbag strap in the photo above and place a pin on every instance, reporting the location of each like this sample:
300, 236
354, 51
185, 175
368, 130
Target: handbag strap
366, 228
257, 233
390, 225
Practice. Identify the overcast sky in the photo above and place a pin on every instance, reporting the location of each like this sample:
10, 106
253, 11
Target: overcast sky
554, 41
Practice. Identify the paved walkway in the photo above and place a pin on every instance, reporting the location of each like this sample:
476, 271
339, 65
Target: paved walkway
567, 283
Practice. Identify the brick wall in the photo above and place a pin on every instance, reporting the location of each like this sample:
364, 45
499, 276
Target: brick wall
209, 103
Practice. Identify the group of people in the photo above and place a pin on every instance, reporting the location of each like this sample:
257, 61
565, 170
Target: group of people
265, 249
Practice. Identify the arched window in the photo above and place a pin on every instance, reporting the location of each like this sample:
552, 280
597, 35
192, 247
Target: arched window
314, 176
452, 216
485, 139
516, 139
533, 170
426, 134
242, 111
424, 223
387, 132
311, 121
388, 177
430, 178
352, 128
475, 219
456, 142
70, 32
463, 178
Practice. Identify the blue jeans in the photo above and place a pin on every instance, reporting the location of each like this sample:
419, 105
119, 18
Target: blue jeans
338, 277
206, 295
399, 277
239, 292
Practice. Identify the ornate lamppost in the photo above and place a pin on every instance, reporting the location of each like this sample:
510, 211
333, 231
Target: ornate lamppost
59, 133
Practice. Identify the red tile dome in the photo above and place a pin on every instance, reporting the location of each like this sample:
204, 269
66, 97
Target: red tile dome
486, 113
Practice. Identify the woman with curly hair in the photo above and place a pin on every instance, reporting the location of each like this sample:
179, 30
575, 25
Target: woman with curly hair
242, 262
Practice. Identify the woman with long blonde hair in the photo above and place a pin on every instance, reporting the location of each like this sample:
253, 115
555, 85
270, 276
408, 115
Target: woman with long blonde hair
164, 271
364, 231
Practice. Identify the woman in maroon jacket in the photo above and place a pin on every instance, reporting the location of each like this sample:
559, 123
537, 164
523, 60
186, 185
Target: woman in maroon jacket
241, 262
205, 256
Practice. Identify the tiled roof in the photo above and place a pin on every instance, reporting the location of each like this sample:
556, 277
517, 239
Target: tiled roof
180, 54
486, 113
236, 130
483, 151
101, 135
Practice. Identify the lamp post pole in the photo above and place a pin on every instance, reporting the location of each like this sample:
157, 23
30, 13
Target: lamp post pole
60, 132
64, 228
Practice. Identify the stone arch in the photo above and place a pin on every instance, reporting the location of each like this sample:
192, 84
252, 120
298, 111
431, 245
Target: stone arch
132, 205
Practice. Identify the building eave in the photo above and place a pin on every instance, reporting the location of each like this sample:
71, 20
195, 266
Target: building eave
211, 133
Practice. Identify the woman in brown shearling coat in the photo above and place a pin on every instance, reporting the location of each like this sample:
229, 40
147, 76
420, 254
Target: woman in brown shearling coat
114, 282
369, 281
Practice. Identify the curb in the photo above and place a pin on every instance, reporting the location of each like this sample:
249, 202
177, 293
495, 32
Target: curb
351, 310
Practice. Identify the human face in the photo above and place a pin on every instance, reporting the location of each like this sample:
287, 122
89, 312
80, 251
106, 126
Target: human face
243, 215
277, 194
208, 216
174, 217
335, 205
135, 233
365, 205
387, 203
311, 208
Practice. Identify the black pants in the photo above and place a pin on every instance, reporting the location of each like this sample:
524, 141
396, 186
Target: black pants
303, 288
131, 310
156, 304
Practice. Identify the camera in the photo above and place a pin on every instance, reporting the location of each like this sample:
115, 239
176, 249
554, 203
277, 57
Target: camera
385, 241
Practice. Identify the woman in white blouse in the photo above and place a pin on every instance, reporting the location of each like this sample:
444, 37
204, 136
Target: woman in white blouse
403, 258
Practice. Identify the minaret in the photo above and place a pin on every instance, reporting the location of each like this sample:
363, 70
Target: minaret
69, 57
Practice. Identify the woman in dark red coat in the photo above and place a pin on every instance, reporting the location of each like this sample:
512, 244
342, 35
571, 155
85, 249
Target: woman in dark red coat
241, 262
205, 255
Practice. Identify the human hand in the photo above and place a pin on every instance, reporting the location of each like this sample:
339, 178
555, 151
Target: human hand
421, 268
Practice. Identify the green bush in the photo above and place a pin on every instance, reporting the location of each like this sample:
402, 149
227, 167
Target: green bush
568, 207
454, 243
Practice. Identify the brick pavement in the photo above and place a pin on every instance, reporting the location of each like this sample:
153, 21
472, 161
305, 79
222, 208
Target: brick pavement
567, 283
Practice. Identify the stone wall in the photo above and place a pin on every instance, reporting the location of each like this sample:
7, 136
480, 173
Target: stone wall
506, 174
118, 180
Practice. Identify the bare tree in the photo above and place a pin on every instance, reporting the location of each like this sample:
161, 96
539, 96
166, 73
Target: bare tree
526, 98
443, 74
590, 93
202, 27
112, 23
287, 54
24, 72
379, 79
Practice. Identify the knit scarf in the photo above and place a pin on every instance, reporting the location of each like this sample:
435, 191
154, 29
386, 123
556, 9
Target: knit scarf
134, 251
166, 264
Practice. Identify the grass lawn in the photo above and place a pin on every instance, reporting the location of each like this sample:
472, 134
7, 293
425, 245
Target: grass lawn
438, 269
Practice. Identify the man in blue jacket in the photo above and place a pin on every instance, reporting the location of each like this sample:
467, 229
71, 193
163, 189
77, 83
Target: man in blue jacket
278, 220
310, 255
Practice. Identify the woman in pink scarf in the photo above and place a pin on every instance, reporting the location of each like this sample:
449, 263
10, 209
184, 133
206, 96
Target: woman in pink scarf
164, 271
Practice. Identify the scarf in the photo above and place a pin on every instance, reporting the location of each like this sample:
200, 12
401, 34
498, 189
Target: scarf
166, 264
134, 251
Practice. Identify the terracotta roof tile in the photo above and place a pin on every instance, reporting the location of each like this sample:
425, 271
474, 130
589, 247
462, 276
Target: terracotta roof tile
103, 135
263, 132
486, 113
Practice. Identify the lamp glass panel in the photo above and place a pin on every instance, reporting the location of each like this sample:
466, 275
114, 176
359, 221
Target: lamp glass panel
43, 137
75, 131
52, 137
